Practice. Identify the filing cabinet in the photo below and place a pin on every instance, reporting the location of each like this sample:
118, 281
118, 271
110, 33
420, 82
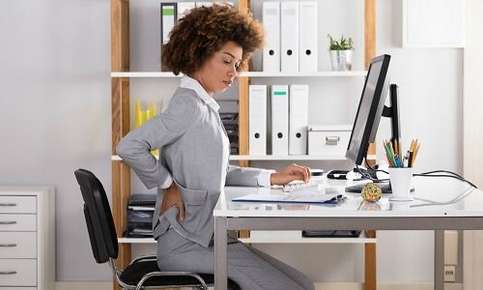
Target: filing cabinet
27, 238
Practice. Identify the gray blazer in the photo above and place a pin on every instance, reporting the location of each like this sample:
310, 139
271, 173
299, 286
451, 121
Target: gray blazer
194, 153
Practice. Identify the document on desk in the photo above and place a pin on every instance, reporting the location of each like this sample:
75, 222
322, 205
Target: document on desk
292, 197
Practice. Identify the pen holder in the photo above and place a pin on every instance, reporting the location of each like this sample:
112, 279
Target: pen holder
400, 182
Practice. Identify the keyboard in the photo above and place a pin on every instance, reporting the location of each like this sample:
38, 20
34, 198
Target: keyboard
298, 185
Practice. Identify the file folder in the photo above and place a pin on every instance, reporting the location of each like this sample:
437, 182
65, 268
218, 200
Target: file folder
299, 104
308, 45
257, 120
279, 99
271, 24
184, 8
289, 36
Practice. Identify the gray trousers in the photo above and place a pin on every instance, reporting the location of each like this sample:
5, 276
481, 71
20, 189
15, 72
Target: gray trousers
250, 268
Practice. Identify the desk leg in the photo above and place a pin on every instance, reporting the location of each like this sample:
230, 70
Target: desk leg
438, 260
220, 254
370, 270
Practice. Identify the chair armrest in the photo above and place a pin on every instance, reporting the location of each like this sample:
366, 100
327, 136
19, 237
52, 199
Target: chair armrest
158, 274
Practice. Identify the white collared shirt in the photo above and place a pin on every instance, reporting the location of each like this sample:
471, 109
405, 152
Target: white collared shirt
192, 84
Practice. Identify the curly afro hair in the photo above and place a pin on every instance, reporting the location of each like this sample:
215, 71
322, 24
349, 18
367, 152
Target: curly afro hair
204, 31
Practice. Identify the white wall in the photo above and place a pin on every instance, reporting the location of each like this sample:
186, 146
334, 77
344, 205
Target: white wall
55, 117
55, 110
473, 134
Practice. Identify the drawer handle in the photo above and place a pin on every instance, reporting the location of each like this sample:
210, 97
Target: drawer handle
8, 222
8, 204
8, 245
332, 140
8, 272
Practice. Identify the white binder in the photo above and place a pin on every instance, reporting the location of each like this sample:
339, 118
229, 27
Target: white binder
308, 47
184, 8
279, 98
289, 35
299, 105
168, 19
257, 119
271, 24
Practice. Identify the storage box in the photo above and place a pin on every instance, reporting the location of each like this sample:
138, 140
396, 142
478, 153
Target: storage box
328, 139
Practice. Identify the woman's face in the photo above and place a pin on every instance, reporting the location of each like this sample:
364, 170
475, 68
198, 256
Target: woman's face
218, 72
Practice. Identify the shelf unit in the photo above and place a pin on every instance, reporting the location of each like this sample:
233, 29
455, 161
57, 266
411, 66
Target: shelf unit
120, 83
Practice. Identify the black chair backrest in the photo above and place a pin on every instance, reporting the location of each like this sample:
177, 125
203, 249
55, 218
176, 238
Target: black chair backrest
100, 225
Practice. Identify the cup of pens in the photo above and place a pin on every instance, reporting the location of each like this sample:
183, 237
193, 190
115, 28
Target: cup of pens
401, 168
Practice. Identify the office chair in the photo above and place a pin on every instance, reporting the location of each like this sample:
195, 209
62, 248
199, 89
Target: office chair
142, 272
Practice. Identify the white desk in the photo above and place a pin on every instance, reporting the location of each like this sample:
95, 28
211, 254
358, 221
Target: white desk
464, 214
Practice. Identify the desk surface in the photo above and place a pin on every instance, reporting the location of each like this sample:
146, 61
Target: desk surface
433, 197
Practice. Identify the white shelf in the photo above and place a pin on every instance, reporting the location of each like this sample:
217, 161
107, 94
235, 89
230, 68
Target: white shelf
154, 74
256, 74
253, 74
287, 157
136, 241
273, 157
295, 237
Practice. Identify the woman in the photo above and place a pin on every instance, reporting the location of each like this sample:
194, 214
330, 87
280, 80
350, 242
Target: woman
209, 46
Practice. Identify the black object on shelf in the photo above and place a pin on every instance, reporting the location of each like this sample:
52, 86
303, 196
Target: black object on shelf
331, 234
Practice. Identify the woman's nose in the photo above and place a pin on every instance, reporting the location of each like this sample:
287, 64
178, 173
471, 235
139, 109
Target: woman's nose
233, 72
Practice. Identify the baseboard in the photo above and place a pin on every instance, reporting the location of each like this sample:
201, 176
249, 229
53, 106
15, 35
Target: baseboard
61, 285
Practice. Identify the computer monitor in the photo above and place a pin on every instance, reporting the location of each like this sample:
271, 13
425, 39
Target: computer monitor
370, 110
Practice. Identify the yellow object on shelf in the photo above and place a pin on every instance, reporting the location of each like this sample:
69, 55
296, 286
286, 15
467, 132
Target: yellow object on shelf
138, 114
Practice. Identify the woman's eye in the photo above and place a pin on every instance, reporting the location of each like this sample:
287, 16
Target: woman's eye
227, 61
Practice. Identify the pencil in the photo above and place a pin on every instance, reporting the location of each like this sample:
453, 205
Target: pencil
418, 145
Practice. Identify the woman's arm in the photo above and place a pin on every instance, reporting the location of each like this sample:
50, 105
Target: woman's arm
247, 176
162, 130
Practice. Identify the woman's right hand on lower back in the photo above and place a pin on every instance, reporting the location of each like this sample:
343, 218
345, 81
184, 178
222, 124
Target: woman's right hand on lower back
172, 198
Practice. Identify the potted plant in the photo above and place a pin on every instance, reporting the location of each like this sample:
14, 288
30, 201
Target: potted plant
340, 53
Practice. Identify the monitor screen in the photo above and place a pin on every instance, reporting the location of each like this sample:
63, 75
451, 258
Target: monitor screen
370, 109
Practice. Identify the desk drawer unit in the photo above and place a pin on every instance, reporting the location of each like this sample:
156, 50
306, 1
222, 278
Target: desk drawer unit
26, 238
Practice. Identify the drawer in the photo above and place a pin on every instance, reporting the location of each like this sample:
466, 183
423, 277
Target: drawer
18, 222
18, 245
18, 272
328, 142
18, 204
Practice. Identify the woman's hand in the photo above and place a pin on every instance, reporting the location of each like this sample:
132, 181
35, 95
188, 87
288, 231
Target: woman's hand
172, 198
290, 173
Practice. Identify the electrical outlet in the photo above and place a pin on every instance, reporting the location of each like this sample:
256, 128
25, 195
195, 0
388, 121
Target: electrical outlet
449, 273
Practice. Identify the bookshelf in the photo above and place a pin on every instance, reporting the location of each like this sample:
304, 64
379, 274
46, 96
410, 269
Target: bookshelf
120, 99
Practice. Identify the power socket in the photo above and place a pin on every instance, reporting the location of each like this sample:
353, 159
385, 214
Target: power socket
449, 273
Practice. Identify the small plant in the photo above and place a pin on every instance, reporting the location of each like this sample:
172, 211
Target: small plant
342, 44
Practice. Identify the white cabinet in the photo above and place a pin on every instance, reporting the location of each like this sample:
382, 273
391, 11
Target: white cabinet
27, 238
433, 23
